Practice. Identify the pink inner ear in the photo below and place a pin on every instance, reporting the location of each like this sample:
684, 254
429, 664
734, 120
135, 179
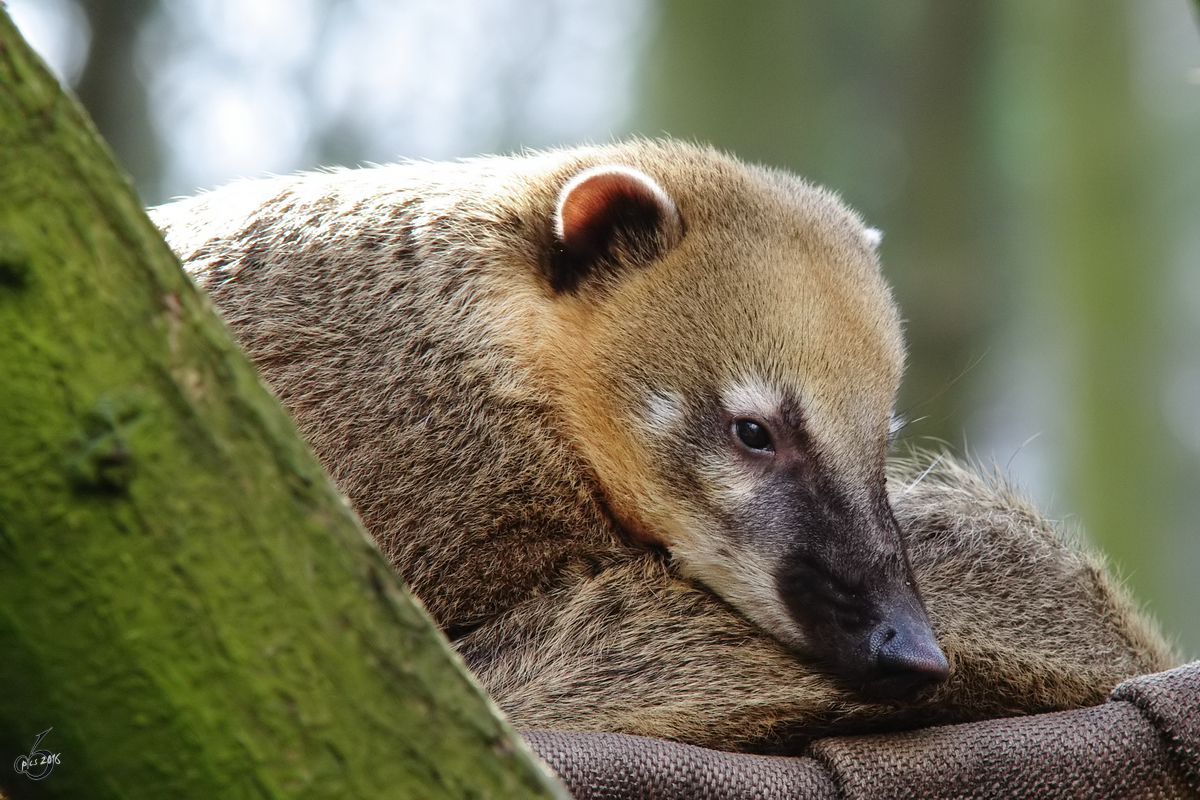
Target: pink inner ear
594, 204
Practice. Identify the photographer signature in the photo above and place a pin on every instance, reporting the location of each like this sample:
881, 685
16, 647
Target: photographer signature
38, 763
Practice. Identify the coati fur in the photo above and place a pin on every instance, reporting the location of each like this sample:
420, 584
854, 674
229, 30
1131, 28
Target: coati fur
1031, 620
619, 416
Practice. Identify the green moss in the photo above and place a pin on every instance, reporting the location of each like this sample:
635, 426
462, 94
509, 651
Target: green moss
183, 595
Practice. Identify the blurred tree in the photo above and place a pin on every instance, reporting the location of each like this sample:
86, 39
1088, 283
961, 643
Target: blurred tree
937, 255
113, 90
746, 77
1088, 197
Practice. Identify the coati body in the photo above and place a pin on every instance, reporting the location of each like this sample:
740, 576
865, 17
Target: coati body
639, 367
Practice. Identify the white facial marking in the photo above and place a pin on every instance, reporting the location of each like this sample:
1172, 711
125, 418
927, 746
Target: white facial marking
664, 411
746, 579
734, 484
752, 398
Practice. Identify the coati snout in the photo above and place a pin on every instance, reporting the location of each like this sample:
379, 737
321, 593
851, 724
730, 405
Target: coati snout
737, 409
865, 625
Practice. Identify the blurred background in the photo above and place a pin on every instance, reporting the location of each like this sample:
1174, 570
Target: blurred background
1035, 167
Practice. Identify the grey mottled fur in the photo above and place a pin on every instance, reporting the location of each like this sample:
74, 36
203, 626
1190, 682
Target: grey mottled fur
393, 379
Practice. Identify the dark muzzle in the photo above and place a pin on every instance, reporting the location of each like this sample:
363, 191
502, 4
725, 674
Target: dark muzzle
904, 655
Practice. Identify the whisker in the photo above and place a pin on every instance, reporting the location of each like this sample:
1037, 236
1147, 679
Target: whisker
1020, 448
922, 476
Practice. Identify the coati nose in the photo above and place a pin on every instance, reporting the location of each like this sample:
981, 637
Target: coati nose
907, 654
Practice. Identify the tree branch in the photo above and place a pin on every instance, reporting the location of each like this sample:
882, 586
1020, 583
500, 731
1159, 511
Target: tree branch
184, 598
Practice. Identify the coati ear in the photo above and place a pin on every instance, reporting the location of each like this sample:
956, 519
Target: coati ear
610, 217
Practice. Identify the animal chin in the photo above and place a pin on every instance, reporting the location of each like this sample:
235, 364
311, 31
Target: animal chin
742, 580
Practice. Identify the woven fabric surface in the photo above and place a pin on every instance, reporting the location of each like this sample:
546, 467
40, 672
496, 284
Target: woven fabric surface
1171, 700
1143, 743
615, 766
1110, 751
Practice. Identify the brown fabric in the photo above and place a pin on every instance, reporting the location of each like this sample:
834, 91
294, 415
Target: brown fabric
1171, 701
1107, 751
615, 766
1143, 743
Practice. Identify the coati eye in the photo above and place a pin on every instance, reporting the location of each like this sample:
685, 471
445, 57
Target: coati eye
754, 435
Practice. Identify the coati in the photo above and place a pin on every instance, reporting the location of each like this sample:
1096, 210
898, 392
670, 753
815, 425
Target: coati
625, 372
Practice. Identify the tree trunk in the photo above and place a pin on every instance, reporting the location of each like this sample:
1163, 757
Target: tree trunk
185, 601
114, 92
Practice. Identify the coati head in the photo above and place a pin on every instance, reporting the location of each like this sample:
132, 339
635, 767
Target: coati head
726, 356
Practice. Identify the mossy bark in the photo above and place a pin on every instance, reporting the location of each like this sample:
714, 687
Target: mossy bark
184, 598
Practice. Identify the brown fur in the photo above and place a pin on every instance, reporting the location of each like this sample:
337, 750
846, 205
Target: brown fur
401, 383
487, 416
1030, 619
402, 316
